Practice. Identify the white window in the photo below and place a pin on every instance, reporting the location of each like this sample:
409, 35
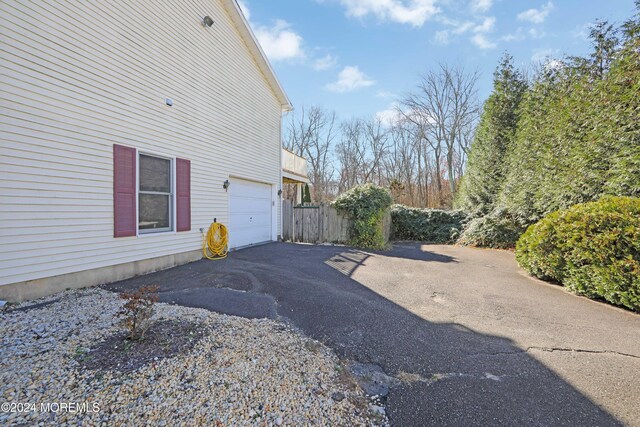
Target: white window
155, 194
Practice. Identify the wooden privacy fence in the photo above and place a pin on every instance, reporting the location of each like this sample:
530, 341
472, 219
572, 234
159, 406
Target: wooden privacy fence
318, 224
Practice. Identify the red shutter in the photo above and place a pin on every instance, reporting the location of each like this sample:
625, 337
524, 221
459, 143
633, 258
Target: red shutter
183, 194
124, 191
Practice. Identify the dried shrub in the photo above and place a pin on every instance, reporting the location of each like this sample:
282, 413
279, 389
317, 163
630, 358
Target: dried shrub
138, 309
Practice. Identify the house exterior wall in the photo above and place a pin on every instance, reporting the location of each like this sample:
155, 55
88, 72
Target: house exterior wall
78, 77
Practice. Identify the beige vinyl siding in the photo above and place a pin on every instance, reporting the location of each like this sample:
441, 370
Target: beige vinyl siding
78, 77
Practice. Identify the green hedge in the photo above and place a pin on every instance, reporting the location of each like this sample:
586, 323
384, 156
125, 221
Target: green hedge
428, 225
591, 248
492, 231
365, 205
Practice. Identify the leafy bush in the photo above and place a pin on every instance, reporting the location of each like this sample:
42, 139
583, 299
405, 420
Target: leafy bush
365, 205
429, 225
137, 311
591, 248
495, 230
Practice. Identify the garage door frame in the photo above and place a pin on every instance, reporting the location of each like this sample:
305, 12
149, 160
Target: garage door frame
273, 211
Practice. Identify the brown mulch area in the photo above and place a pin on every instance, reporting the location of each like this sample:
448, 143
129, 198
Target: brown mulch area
162, 340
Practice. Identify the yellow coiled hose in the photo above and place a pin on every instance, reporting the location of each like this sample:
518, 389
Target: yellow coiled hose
215, 244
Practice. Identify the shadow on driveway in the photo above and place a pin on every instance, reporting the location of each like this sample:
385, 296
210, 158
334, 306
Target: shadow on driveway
457, 376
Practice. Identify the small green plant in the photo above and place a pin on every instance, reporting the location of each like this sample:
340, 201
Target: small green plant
137, 311
366, 206
81, 354
591, 248
306, 198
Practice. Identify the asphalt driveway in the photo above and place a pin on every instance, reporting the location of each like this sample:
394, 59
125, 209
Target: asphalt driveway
470, 338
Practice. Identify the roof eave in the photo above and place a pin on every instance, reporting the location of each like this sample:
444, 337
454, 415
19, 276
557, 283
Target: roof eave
241, 23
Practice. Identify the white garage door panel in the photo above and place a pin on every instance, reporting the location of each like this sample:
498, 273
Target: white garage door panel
250, 213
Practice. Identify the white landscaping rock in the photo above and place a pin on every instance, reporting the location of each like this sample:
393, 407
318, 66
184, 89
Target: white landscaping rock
246, 372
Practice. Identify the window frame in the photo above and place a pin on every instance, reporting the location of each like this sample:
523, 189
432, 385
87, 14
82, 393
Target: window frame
172, 196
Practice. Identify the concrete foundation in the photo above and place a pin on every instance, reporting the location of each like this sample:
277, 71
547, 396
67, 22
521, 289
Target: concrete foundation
32, 289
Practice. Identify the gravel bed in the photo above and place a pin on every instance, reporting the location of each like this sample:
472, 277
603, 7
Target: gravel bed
240, 372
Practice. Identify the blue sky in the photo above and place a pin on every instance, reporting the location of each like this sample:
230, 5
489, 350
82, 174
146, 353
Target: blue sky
358, 56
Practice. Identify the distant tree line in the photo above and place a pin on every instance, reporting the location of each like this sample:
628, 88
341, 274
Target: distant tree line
419, 155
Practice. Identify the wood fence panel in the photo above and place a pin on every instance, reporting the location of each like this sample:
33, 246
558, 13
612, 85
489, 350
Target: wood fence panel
311, 223
324, 223
343, 225
298, 224
337, 228
319, 224
330, 227
386, 226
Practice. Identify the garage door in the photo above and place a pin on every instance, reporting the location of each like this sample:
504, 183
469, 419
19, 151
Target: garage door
249, 213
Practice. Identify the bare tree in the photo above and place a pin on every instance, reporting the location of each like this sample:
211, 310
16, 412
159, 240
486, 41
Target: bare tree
311, 135
399, 163
420, 156
464, 111
443, 107
422, 128
349, 154
377, 144
361, 151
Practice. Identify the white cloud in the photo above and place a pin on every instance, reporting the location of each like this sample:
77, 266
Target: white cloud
324, 63
536, 33
536, 16
280, 42
486, 26
245, 9
481, 5
581, 32
389, 116
442, 37
480, 38
517, 36
463, 27
482, 41
385, 94
413, 12
520, 34
478, 28
350, 79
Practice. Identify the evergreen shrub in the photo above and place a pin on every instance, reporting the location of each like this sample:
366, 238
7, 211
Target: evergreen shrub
591, 248
428, 225
496, 230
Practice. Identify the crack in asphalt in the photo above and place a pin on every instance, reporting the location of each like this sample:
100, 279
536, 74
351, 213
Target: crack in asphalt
577, 350
559, 349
